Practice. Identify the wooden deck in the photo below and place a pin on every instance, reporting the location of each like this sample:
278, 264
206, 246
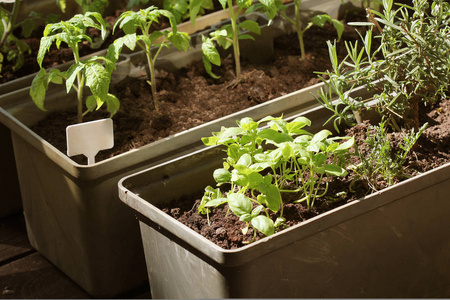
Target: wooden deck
25, 274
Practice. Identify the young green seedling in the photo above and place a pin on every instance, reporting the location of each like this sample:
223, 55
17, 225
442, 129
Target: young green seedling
318, 20
230, 34
142, 20
90, 72
411, 62
257, 174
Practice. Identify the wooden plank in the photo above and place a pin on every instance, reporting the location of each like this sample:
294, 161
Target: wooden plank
13, 238
34, 277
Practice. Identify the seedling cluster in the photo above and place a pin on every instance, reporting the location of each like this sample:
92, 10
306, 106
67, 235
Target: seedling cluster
261, 161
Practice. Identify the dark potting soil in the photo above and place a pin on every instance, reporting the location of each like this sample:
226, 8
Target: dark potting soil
225, 229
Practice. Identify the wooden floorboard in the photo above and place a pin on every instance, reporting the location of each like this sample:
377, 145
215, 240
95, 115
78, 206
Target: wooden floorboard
34, 277
13, 239
25, 274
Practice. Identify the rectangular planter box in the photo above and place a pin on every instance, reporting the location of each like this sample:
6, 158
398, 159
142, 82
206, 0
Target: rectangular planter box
393, 243
73, 213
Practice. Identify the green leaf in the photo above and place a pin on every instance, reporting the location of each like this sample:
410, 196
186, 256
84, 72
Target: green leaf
97, 79
244, 3
180, 40
245, 160
339, 26
239, 204
72, 75
27, 27
246, 37
216, 202
210, 141
54, 75
222, 175
257, 210
335, 170
251, 26
223, 3
91, 103
263, 224
112, 104
275, 136
208, 67
210, 51
39, 88
320, 136
46, 42
194, 9
347, 144
273, 198
270, 8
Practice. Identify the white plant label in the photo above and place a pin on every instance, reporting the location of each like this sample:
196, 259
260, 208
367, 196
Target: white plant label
89, 138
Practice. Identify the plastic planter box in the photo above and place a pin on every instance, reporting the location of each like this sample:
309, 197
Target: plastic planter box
73, 213
393, 243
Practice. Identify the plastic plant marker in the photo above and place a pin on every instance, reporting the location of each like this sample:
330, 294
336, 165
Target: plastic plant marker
89, 138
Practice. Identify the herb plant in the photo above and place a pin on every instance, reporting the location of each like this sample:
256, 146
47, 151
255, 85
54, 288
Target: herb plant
381, 160
94, 72
141, 21
230, 34
258, 175
411, 61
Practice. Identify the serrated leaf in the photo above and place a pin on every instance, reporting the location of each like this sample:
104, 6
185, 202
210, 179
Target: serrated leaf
210, 52
97, 79
45, 44
39, 88
71, 75
263, 224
